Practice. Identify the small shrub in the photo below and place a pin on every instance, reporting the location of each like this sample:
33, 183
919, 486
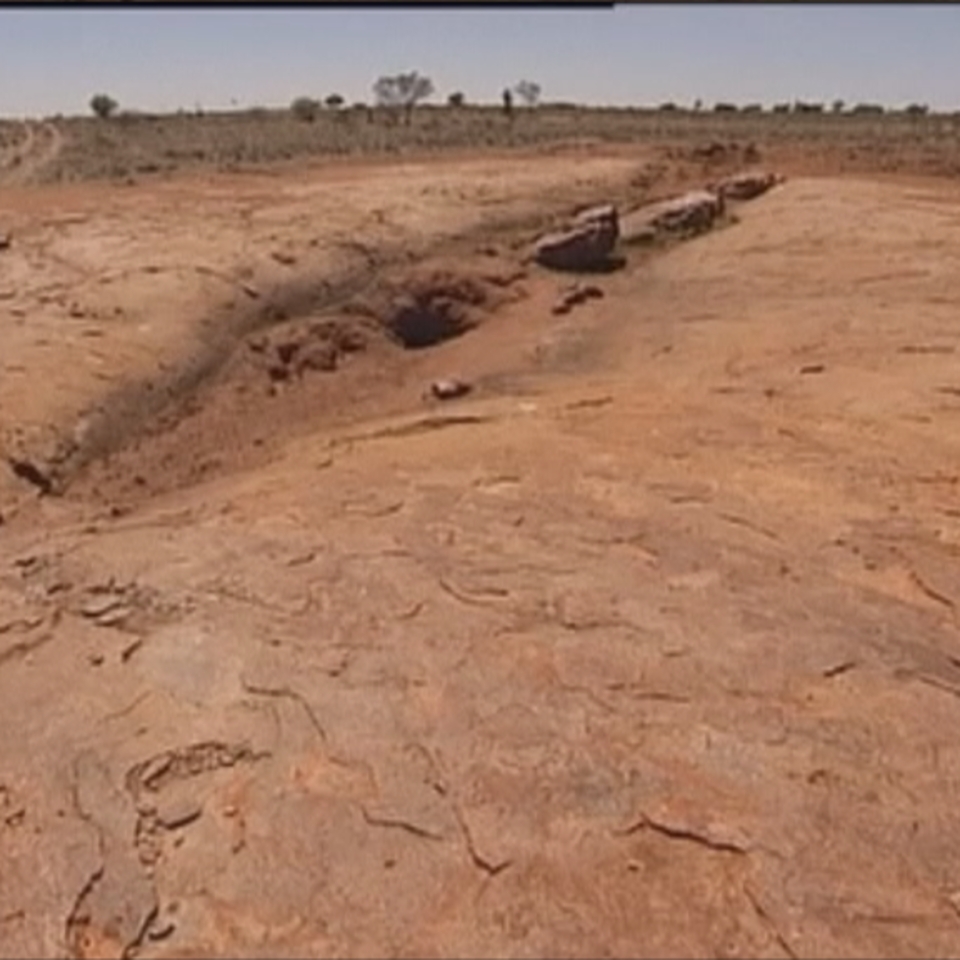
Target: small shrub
334, 101
103, 106
456, 99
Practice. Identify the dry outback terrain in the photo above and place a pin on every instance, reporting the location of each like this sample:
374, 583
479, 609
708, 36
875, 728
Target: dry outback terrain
644, 646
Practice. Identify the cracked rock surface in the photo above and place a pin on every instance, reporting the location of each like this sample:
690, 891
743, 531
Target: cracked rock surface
656, 657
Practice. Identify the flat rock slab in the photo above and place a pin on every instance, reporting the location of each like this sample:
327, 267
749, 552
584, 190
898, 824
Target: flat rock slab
693, 212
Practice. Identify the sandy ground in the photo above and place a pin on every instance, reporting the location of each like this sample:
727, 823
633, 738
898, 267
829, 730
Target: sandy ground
646, 648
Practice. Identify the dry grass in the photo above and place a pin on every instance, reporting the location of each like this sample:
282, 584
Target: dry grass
136, 145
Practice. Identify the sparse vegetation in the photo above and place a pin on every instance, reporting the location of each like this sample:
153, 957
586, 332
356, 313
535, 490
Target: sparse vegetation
135, 143
103, 106
403, 92
529, 92
305, 109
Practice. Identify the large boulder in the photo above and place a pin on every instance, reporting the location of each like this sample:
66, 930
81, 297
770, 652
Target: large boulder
586, 245
692, 212
746, 186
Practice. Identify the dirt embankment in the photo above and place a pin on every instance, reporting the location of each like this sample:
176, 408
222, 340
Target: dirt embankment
150, 307
151, 311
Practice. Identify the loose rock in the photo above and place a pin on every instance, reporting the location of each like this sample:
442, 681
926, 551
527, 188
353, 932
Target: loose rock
746, 186
587, 245
179, 812
691, 213
30, 472
449, 389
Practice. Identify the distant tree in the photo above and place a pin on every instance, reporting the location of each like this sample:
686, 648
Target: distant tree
837, 106
508, 103
403, 91
334, 101
697, 105
917, 110
752, 108
781, 108
456, 99
305, 109
103, 106
724, 108
668, 107
528, 91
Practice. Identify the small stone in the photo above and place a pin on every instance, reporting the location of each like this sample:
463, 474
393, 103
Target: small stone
449, 389
113, 617
747, 186
155, 769
161, 930
179, 812
100, 605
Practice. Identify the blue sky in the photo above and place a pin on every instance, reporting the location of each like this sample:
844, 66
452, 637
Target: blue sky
53, 60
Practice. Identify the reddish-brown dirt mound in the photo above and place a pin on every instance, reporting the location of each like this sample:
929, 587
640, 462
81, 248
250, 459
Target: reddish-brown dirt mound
305, 346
